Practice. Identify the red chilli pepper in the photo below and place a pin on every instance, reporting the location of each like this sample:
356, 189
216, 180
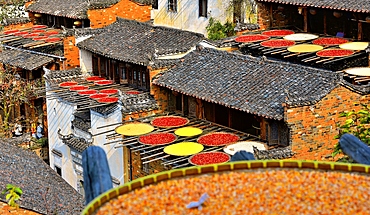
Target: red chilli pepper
169, 121
209, 158
218, 139
157, 139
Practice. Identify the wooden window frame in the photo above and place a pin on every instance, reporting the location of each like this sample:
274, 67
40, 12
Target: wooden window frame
172, 5
155, 4
203, 8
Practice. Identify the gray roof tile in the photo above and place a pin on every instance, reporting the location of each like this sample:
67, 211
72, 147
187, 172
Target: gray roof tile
26, 170
136, 42
24, 59
253, 85
76, 9
347, 5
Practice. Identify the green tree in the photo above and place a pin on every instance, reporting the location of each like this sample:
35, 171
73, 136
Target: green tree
14, 91
13, 194
356, 123
216, 30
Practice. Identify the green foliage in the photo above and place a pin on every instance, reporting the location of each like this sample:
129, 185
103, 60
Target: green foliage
357, 123
216, 30
14, 91
39, 143
13, 194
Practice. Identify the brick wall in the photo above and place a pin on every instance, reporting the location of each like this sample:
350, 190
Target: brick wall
160, 94
71, 52
272, 15
124, 9
313, 127
263, 17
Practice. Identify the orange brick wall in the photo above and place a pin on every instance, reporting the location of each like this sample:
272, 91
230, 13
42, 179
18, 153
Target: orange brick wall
71, 52
313, 127
124, 9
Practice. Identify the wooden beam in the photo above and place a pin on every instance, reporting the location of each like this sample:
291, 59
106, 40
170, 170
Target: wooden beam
99, 66
271, 16
359, 28
324, 20
305, 19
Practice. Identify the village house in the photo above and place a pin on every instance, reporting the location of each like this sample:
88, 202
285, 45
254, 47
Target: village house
194, 16
44, 191
77, 121
346, 18
84, 14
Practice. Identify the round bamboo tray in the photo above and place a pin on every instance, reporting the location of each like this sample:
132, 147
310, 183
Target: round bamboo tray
153, 122
199, 140
183, 149
208, 159
229, 168
188, 131
157, 144
134, 129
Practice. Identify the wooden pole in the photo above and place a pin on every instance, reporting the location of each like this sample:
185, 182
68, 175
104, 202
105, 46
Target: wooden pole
324, 20
305, 19
271, 16
359, 27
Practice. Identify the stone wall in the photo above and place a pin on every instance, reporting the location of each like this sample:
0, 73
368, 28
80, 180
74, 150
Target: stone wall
125, 9
313, 128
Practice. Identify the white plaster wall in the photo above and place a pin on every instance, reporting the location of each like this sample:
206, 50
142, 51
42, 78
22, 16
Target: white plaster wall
187, 15
86, 62
115, 156
60, 116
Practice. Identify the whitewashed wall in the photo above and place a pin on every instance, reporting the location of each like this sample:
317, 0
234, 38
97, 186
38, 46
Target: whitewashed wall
187, 15
60, 116
86, 62
115, 156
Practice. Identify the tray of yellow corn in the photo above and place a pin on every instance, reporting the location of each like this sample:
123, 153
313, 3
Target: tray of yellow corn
183, 148
188, 131
134, 129
304, 48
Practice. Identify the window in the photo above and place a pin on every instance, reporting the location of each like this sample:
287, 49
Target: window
203, 8
155, 4
58, 170
80, 187
172, 5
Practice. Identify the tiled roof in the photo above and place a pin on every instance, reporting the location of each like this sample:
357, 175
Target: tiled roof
23, 59
246, 26
144, 2
254, 85
13, 21
277, 153
75, 9
132, 103
78, 143
361, 6
26, 170
55, 77
136, 42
